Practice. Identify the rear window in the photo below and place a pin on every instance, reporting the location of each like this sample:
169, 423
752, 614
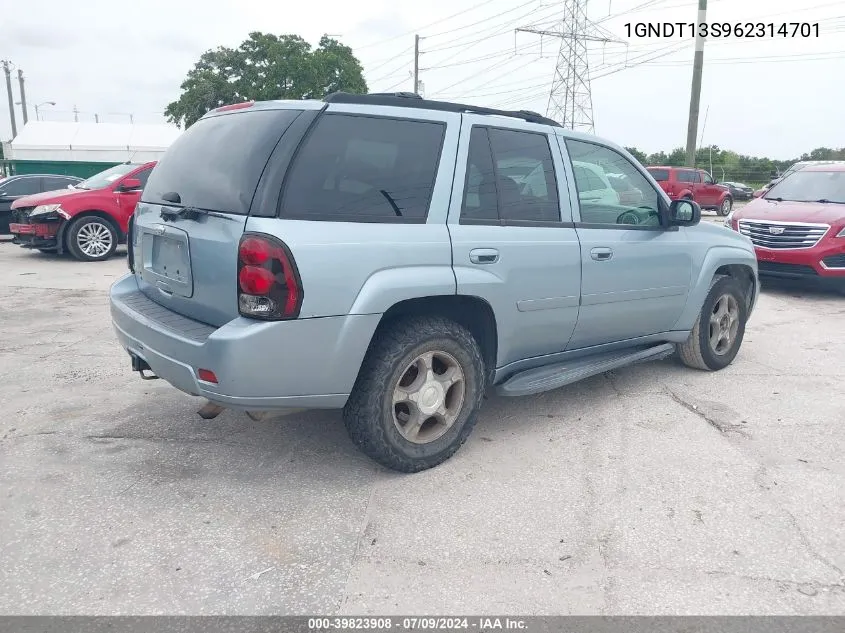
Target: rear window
217, 162
660, 175
364, 169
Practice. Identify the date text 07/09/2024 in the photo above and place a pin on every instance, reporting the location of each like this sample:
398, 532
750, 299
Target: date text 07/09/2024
417, 623
722, 29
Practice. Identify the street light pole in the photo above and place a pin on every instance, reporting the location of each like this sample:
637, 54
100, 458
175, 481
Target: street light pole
40, 105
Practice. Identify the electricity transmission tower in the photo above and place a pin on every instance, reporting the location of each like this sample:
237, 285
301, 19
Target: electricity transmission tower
570, 101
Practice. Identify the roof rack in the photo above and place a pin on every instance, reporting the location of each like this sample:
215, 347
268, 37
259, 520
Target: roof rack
413, 100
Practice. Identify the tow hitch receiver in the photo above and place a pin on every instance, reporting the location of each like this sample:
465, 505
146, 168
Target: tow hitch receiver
140, 365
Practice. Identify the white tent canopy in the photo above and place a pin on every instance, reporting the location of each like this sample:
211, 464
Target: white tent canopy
91, 142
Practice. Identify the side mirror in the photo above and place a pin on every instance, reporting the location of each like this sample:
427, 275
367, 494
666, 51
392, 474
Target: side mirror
684, 213
130, 184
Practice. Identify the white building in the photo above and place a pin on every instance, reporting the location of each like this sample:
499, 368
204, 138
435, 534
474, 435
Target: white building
82, 149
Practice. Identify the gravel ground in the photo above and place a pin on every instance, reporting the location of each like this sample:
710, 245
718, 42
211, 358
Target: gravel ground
649, 490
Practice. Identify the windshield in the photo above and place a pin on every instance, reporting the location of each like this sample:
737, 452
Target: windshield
105, 178
810, 186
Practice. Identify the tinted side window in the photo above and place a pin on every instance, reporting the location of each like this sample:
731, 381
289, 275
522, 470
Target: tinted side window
216, 163
22, 187
686, 176
636, 203
525, 176
53, 183
480, 201
364, 168
660, 175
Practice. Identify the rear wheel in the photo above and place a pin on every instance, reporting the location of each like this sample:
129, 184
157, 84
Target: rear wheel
717, 336
726, 206
91, 238
417, 394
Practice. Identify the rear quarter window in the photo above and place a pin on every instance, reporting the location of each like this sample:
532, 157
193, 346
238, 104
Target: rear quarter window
660, 175
355, 168
217, 162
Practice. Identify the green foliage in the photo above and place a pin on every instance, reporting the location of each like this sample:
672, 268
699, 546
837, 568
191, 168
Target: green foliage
266, 67
730, 166
640, 156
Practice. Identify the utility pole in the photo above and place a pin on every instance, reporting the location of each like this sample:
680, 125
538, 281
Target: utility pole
6, 70
75, 114
23, 96
96, 118
695, 93
570, 98
416, 64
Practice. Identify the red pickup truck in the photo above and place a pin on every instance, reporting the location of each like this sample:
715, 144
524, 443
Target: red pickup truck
88, 220
695, 184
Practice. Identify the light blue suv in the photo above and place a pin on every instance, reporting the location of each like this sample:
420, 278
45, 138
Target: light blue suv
397, 258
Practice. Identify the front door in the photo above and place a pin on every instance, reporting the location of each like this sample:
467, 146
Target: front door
513, 243
635, 272
709, 192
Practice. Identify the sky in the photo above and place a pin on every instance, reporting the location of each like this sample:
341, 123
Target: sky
776, 97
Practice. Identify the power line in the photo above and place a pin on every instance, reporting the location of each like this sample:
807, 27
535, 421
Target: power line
488, 32
474, 24
516, 51
478, 74
411, 32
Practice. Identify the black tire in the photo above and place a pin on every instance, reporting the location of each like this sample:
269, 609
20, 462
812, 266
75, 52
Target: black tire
95, 250
369, 412
725, 207
697, 352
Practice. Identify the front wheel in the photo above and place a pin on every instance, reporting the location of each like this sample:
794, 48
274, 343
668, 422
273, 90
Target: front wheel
417, 394
717, 335
726, 206
91, 239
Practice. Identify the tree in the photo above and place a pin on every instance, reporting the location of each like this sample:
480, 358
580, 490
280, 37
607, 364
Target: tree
266, 67
640, 156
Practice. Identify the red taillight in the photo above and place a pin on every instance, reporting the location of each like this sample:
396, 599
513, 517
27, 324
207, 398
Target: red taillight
235, 106
256, 281
269, 287
206, 375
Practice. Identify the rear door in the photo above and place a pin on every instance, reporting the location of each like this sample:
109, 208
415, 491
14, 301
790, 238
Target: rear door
513, 243
686, 181
186, 260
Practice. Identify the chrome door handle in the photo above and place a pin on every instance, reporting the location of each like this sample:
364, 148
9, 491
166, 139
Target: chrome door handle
484, 256
601, 253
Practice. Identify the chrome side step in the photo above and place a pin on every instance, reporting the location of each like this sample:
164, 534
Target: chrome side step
550, 377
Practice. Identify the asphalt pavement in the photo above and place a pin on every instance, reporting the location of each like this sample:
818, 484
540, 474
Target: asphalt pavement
649, 490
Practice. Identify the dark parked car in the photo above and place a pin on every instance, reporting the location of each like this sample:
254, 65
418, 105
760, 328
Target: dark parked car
15, 187
740, 191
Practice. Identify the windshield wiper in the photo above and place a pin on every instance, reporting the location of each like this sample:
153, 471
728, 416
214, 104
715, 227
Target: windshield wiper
188, 213
826, 201
392, 202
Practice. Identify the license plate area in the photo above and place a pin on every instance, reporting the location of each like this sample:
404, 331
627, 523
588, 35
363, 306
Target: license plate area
166, 260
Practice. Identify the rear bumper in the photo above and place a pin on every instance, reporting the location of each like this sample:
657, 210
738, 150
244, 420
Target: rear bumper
305, 363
